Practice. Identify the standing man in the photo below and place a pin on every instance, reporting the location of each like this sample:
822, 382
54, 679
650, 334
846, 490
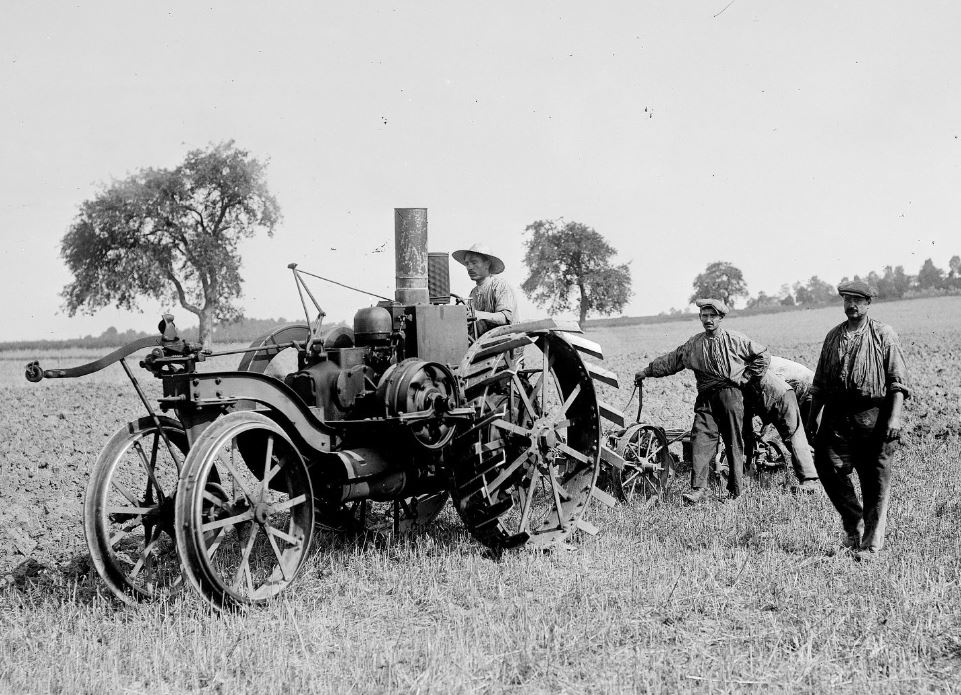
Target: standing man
861, 382
491, 301
723, 362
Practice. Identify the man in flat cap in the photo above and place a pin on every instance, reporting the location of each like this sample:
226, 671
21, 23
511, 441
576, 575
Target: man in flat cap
491, 301
723, 362
861, 383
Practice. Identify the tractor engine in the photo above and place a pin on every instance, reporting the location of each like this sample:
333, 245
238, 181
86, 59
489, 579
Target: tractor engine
388, 381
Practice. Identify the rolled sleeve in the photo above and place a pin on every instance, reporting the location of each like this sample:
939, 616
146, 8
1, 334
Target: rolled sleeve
895, 368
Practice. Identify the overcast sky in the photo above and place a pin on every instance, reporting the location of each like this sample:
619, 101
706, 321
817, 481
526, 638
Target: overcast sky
790, 138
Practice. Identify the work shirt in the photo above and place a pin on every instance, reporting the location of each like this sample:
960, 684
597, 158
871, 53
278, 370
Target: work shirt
726, 359
493, 294
861, 368
795, 374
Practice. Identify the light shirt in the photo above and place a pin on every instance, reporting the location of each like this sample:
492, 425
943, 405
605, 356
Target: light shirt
727, 359
493, 294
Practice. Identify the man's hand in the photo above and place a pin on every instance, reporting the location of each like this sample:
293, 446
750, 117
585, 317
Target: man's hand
639, 376
894, 429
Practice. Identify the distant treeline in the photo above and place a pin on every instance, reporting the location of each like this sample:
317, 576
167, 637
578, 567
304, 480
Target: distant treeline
240, 331
890, 283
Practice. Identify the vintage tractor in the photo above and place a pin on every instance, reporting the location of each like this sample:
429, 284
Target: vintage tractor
365, 429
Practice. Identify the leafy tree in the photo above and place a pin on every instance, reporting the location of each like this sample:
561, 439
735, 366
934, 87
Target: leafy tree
930, 276
570, 258
170, 235
954, 274
720, 280
816, 291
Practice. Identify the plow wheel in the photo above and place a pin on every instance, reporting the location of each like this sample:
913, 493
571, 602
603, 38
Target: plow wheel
527, 473
128, 511
243, 525
647, 463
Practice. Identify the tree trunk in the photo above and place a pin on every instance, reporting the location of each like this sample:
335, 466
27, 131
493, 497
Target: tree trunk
583, 305
206, 328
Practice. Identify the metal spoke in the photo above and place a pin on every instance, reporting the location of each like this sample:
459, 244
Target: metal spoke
215, 542
557, 497
292, 502
528, 499
524, 396
574, 453
149, 469
267, 457
507, 472
511, 427
244, 568
236, 480
125, 492
214, 500
113, 509
280, 559
142, 557
229, 521
282, 535
570, 400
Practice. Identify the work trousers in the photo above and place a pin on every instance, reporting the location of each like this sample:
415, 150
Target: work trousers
718, 413
849, 441
785, 415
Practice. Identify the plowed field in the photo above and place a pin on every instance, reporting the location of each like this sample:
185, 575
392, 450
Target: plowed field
722, 597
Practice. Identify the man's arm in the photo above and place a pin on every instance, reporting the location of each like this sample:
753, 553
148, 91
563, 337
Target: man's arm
757, 358
817, 387
896, 382
665, 365
505, 306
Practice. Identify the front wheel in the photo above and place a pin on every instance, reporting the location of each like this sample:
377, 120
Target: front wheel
244, 512
128, 511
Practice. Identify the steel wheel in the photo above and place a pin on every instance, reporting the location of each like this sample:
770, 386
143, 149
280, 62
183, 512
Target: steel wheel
245, 543
648, 464
128, 512
527, 473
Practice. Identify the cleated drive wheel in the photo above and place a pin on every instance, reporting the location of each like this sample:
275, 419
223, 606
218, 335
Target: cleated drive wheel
244, 511
648, 464
527, 473
128, 511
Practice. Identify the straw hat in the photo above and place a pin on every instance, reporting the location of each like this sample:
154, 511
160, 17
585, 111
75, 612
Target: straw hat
497, 265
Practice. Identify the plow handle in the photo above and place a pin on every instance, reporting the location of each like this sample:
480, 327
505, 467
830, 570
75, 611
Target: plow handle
640, 399
34, 373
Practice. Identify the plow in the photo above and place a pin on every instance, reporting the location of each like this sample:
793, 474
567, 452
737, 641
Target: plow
234, 478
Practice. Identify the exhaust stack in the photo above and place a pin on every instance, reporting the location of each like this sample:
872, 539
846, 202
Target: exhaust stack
410, 255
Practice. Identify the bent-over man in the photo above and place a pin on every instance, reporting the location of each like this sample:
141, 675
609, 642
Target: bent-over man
861, 382
775, 401
491, 300
723, 362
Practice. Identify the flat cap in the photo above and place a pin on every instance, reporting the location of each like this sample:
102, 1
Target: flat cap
857, 288
716, 304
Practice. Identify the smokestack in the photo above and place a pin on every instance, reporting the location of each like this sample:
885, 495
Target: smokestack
410, 255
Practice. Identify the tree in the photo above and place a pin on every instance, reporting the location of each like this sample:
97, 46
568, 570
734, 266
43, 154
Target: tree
954, 273
930, 276
562, 257
720, 280
170, 235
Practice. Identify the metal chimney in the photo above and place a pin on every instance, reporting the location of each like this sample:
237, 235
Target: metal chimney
410, 255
